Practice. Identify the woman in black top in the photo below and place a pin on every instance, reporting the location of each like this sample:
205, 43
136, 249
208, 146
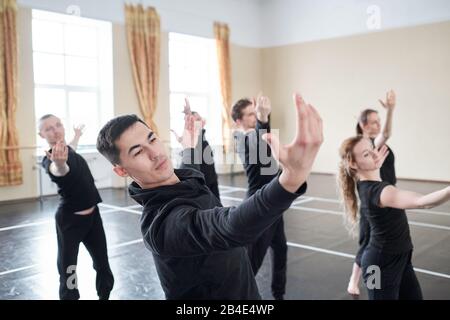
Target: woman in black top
386, 262
369, 126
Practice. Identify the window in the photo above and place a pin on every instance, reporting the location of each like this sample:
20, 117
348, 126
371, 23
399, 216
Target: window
193, 73
73, 78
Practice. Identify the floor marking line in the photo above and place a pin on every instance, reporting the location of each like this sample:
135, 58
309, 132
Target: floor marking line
339, 213
413, 223
120, 245
351, 256
441, 213
46, 221
104, 205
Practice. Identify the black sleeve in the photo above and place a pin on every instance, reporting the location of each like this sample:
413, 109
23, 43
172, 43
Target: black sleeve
262, 125
261, 128
253, 144
191, 158
187, 231
254, 137
364, 237
375, 193
69, 177
46, 164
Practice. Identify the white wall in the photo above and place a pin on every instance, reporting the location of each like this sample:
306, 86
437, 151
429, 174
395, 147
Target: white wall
279, 70
246, 79
266, 23
293, 21
341, 77
193, 17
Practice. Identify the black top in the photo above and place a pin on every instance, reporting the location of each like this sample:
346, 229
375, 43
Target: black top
207, 165
260, 167
387, 173
198, 245
389, 229
387, 170
77, 188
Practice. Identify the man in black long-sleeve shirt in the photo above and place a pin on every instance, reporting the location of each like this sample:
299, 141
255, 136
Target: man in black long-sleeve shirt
252, 119
198, 245
77, 218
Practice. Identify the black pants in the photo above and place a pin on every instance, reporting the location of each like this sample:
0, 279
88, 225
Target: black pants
398, 279
275, 238
71, 230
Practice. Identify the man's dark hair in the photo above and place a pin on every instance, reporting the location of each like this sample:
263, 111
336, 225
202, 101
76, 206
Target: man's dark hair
44, 117
111, 132
236, 112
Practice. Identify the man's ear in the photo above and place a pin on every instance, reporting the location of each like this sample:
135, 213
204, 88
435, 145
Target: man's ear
40, 135
120, 171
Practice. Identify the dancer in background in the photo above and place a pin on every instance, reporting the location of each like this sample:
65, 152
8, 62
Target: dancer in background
77, 218
369, 126
386, 261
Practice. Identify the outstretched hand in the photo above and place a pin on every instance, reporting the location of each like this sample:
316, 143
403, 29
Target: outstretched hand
187, 107
191, 132
262, 108
192, 128
59, 154
380, 155
390, 100
78, 130
298, 157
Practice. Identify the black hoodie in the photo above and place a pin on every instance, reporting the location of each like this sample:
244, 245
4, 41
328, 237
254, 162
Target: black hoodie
198, 245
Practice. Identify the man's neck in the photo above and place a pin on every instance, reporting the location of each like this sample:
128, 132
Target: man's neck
246, 130
173, 179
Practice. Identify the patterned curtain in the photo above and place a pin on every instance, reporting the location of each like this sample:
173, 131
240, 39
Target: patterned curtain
10, 164
143, 37
222, 34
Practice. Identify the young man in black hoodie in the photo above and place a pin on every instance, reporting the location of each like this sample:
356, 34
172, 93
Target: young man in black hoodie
252, 120
199, 246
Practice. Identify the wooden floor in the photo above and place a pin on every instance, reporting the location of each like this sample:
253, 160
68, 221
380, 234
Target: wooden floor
320, 253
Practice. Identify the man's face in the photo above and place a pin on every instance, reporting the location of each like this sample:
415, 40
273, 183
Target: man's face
52, 130
143, 157
248, 120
